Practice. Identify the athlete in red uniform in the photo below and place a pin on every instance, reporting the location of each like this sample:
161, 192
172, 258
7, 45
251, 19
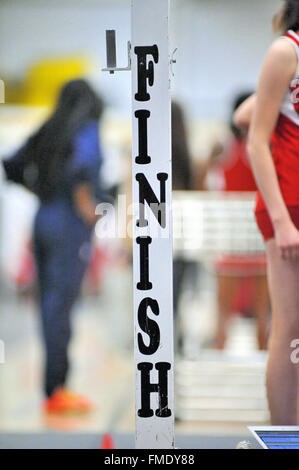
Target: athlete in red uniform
241, 279
285, 152
274, 154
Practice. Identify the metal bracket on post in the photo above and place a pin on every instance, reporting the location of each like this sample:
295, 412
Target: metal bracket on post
111, 53
152, 231
173, 61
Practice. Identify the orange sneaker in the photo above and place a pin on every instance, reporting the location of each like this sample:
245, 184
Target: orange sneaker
65, 402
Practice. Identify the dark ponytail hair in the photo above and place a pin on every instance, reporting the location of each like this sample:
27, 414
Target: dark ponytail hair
181, 159
288, 18
40, 162
238, 100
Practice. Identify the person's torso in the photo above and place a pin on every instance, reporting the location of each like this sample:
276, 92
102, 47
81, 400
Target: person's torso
290, 104
236, 169
285, 139
83, 162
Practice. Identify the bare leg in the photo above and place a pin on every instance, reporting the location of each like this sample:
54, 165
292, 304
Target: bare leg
282, 373
226, 288
261, 310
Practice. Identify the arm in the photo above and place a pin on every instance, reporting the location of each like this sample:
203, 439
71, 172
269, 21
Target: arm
85, 203
202, 168
243, 115
84, 172
14, 166
278, 70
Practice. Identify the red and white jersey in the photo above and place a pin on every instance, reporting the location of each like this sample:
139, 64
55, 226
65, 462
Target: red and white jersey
285, 140
290, 104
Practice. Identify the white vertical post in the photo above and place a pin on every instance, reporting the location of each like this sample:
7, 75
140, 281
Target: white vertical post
152, 232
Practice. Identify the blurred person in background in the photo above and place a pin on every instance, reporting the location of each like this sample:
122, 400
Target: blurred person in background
60, 163
273, 116
187, 175
181, 181
182, 175
241, 280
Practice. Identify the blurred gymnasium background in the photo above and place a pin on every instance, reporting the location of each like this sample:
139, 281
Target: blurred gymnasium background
221, 45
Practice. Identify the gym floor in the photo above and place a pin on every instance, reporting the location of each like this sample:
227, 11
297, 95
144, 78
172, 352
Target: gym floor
102, 366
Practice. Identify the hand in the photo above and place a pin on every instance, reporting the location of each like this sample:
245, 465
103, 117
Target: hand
85, 204
287, 240
216, 151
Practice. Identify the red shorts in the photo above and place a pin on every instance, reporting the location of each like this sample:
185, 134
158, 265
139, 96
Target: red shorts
241, 265
265, 225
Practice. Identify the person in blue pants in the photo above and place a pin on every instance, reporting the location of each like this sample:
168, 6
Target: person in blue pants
60, 163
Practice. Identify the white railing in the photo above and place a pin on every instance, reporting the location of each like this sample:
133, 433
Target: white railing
207, 223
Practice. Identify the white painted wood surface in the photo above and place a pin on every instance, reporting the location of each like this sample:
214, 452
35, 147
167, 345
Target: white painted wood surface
150, 24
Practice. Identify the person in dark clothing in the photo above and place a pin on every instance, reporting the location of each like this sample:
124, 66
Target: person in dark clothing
60, 163
181, 159
181, 181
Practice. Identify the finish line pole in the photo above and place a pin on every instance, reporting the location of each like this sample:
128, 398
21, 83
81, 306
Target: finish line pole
149, 60
152, 233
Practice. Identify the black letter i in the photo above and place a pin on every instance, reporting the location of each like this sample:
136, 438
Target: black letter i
142, 116
144, 283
